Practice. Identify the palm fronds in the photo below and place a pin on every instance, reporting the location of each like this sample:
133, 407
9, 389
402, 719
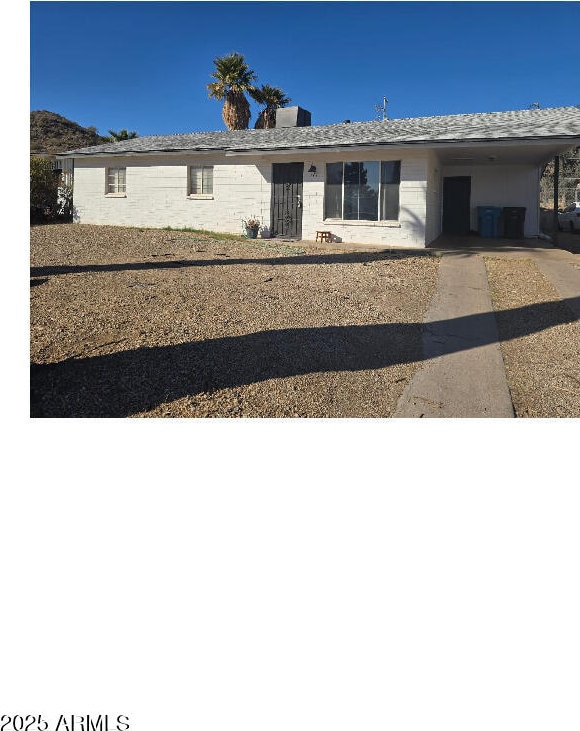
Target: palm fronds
233, 78
272, 98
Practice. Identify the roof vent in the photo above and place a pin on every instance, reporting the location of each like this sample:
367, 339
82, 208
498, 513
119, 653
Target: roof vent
292, 117
346, 121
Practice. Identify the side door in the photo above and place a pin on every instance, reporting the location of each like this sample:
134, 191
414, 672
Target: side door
456, 204
286, 206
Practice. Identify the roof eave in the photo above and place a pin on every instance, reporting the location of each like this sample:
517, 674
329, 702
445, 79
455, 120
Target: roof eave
306, 149
464, 142
128, 153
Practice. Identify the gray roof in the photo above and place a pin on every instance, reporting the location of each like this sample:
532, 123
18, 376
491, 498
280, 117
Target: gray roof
529, 124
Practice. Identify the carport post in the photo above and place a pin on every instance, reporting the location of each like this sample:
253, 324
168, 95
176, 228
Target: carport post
555, 212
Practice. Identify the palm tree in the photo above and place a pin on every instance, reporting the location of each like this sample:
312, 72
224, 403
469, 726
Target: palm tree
233, 79
272, 97
120, 136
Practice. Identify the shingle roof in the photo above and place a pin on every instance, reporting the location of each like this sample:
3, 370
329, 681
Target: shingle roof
561, 122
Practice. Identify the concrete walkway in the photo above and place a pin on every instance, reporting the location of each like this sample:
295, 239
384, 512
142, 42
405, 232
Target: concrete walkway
464, 375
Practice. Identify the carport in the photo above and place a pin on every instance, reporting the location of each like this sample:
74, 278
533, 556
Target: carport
500, 175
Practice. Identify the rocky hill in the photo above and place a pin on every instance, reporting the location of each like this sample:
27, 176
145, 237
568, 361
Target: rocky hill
51, 133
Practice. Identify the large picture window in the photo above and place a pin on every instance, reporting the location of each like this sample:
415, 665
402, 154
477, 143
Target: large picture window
201, 180
362, 191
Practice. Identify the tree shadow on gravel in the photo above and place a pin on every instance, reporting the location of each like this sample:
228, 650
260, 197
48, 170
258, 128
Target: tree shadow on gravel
515, 323
134, 381
227, 260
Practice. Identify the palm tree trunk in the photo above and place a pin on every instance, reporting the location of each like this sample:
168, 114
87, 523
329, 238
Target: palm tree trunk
266, 119
236, 112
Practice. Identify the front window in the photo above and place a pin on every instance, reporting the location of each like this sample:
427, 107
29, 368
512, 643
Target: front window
201, 180
116, 180
362, 191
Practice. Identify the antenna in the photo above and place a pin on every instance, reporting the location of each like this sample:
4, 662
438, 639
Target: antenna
381, 109
534, 105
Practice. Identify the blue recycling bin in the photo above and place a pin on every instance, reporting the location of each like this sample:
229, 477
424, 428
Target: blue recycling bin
488, 221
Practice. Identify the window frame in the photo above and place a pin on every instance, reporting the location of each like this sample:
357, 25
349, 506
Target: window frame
203, 195
362, 221
117, 192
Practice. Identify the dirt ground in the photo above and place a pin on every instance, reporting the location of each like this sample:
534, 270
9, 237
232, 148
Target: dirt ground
150, 323
541, 353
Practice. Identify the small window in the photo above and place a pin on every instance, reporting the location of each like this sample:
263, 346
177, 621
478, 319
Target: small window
116, 180
201, 180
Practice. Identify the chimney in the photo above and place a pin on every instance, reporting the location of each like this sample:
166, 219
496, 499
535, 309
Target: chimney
292, 117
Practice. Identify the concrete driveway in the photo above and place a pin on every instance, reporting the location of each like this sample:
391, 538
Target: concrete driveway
464, 373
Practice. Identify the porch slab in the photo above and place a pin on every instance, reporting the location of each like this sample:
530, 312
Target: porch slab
483, 245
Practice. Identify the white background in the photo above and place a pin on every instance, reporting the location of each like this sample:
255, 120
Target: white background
273, 574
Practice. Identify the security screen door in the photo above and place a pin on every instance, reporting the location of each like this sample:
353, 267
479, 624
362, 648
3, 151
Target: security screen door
287, 199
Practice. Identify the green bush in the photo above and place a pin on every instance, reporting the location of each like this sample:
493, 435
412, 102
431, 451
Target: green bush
44, 181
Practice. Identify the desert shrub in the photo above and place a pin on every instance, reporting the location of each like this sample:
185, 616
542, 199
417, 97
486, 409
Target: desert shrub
43, 190
51, 192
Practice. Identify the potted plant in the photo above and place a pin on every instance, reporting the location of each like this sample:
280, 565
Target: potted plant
252, 226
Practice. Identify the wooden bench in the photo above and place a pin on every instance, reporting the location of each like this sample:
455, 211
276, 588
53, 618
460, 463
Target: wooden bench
324, 236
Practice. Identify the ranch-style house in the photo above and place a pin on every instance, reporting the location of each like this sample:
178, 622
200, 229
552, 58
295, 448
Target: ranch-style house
396, 182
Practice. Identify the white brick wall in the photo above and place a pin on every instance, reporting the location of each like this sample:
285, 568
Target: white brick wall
157, 196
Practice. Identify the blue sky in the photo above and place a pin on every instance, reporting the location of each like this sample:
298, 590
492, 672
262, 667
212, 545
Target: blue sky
144, 66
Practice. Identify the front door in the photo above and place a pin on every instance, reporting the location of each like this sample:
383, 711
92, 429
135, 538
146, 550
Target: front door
287, 199
456, 205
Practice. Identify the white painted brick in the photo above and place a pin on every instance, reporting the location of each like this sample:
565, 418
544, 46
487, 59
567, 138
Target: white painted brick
157, 196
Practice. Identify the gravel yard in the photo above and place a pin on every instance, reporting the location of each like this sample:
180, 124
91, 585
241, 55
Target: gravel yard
131, 322
540, 340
